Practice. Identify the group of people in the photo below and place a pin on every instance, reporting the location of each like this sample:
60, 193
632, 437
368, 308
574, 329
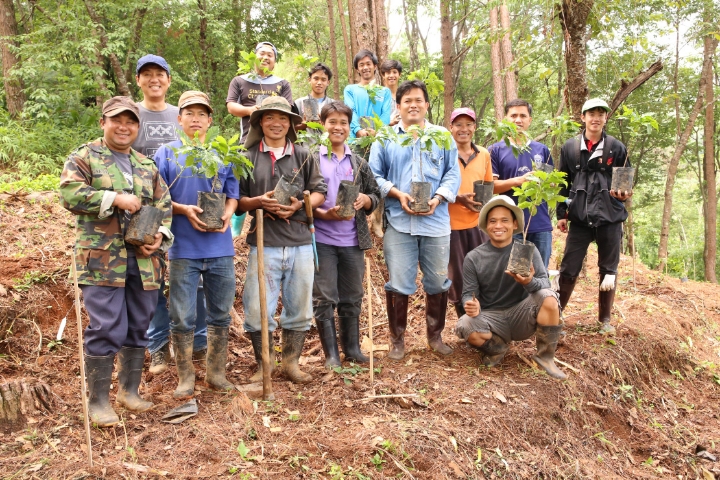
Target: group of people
461, 246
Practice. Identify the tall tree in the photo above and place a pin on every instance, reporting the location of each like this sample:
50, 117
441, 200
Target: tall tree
333, 50
346, 41
381, 29
496, 62
14, 94
710, 193
122, 85
446, 42
507, 56
574, 20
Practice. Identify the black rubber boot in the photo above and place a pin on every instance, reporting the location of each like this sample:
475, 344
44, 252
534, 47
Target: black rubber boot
292, 345
328, 339
494, 350
350, 340
605, 304
567, 285
546, 338
459, 309
435, 312
397, 307
130, 364
256, 339
183, 345
217, 351
99, 376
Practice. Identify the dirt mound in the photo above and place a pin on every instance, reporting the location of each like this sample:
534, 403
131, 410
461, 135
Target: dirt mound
639, 405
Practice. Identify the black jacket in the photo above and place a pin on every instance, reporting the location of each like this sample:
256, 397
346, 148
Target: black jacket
589, 176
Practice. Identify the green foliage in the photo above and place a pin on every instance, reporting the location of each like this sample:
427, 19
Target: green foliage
244, 452
426, 137
507, 132
382, 133
348, 373
373, 91
250, 64
314, 136
561, 129
305, 61
42, 183
540, 187
434, 85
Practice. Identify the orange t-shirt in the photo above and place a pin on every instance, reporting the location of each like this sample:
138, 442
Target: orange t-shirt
479, 168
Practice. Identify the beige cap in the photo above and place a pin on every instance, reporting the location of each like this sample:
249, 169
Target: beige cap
117, 105
194, 97
502, 201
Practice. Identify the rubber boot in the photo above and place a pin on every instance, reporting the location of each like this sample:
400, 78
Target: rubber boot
130, 364
494, 350
217, 351
328, 339
546, 338
292, 345
183, 345
397, 306
256, 339
435, 312
459, 309
567, 285
159, 360
200, 356
605, 304
99, 376
350, 340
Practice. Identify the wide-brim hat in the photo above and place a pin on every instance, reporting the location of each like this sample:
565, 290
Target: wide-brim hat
502, 201
272, 103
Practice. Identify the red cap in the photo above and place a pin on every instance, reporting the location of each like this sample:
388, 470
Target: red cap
462, 111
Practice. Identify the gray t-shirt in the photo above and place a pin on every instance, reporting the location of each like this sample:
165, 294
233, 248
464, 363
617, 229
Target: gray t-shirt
484, 275
156, 129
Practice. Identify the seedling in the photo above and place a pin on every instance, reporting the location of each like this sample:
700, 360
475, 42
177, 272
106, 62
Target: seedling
373, 91
505, 131
243, 451
251, 64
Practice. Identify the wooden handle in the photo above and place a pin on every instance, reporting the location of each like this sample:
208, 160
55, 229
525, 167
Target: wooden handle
308, 205
264, 323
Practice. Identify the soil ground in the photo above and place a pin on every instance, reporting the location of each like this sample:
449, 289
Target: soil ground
639, 405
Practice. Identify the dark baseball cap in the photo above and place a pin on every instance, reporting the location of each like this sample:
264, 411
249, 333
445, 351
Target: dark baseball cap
194, 97
117, 105
152, 59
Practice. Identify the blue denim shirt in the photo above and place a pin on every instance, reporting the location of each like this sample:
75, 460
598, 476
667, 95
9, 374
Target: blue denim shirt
393, 166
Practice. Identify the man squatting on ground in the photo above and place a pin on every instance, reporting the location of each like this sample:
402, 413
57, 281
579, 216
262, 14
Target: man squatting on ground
198, 252
341, 241
289, 258
416, 237
595, 212
474, 164
102, 184
501, 306
511, 172
158, 124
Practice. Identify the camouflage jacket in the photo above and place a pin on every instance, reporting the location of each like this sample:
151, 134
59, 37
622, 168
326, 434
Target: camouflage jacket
88, 185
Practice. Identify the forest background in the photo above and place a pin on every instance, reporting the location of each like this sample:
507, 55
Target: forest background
653, 60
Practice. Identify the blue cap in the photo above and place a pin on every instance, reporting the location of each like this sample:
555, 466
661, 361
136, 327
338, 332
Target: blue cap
152, 59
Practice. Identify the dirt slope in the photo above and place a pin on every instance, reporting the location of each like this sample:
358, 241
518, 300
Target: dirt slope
638, 406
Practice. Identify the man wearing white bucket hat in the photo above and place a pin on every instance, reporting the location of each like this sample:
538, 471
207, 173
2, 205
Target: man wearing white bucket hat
501, 306
594, 211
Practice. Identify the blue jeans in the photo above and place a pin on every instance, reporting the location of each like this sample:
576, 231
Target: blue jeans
542, 241
218, 275
403, 252
159, 330
289, 271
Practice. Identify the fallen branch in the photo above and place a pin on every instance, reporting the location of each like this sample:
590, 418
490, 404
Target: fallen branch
567, 365
601, 407
395, 395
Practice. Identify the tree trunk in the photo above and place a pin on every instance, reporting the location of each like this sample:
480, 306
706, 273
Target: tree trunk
446, 37
21, 398
114, 61
134, 44
507, 56
710, 197
204, 47
412, 39
361, 25
381, 29
333, 50
573, 18
346, 41
496, 64
673, 166
14, 94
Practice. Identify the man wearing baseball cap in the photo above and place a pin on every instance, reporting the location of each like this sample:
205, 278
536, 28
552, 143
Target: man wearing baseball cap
244, 90
474, 163
198, 252
288, 253
502, 306
594, 211
103, 183
511, 170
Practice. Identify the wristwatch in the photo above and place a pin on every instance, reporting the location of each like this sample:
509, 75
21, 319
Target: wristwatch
440, 198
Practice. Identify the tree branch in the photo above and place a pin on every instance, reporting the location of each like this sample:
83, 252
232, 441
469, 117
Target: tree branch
626, 88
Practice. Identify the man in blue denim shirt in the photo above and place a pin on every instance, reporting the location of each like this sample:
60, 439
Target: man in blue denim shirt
413, 237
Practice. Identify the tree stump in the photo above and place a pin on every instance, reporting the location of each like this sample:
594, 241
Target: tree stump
21, 398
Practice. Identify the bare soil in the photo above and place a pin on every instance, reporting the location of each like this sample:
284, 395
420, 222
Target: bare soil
640, 405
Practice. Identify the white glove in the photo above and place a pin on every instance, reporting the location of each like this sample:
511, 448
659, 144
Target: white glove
608, 283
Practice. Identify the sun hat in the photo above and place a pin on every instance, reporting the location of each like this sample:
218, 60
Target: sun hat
152, 59
272, 103
595, 103
194, 97
462, 111
117, 105
502, 201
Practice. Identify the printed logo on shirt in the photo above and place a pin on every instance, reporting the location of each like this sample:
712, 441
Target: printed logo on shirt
538, 160
523, 169
159, 131
150, 152
128, 178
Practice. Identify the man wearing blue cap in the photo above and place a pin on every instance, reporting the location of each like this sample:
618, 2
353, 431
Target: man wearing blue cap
245, 89
158, 126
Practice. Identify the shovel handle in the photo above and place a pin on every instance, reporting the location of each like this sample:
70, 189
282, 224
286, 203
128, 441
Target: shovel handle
308, 205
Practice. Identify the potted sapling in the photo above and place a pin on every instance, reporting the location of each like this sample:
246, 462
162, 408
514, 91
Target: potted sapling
368, 122
143, 225
207, 159
540, 187
312, 138
483, 190
638, 125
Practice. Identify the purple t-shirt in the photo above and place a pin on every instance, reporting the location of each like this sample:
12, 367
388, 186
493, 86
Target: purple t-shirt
506, 166
332, 232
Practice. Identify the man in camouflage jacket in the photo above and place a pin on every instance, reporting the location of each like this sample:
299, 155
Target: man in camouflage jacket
103, 182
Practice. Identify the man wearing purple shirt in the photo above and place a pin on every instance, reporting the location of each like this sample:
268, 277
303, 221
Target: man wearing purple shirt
341, 241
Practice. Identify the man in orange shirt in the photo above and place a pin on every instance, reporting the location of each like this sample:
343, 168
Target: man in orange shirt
474, 163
